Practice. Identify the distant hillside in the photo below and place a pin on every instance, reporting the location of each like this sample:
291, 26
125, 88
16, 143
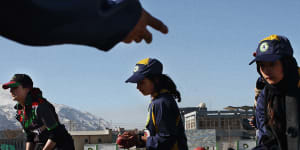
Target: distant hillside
72, 118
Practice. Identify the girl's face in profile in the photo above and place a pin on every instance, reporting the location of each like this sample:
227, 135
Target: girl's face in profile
19, 93
272, 72
145, 86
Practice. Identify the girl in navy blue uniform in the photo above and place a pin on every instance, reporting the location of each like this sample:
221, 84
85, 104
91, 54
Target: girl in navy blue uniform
164, 123
279, 71
37, 117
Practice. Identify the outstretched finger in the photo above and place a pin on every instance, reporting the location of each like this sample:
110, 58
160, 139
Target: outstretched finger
147, 36
156, 23
138, 39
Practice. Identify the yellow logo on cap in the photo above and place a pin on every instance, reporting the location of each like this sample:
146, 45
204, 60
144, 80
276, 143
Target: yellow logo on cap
271, 37
264, 47
136, 68
144, 61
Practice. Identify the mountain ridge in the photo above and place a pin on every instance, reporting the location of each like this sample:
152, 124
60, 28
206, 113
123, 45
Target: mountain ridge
73, 119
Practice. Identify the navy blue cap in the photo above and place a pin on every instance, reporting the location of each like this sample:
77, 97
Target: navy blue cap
148, 66
273, 48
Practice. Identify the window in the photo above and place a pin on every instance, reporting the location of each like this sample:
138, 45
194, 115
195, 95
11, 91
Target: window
190, 122
216, 124
86, 141
193, 124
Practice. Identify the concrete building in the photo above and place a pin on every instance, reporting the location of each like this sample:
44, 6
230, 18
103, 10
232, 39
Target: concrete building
216, 119
228, 126
91, 137
232, 118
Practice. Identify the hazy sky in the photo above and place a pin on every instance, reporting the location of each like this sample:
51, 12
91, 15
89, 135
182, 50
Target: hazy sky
206, 53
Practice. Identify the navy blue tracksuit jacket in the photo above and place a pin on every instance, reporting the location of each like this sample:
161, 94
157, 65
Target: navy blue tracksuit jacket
165, 125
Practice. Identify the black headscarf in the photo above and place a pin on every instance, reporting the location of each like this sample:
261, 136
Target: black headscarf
275, 117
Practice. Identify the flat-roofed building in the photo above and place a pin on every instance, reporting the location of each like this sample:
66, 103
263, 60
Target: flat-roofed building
91, 137
230, 125
231, 118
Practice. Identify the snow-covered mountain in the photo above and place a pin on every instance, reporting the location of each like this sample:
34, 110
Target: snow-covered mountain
73, 119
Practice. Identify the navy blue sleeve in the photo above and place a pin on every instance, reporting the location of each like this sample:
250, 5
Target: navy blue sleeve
165, 120
96, 23
260, 115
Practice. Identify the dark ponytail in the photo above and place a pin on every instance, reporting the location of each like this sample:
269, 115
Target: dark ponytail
162, 81
37, 94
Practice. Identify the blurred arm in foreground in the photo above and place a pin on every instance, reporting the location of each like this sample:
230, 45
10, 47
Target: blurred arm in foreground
97, 23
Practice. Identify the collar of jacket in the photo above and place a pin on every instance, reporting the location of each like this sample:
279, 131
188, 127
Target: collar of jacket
157, 94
